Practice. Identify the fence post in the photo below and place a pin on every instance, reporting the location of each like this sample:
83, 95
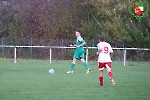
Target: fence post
62, 42
2, 43
15, 56
62, 50
87, 51
31, 42
50, 55
93, 43
124, 56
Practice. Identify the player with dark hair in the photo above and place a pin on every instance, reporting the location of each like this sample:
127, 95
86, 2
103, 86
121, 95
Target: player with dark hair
104, 60
79, 53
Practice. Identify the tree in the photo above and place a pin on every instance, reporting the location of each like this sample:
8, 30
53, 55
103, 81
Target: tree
112, 19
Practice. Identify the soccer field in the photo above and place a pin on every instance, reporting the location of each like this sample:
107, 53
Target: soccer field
29, 80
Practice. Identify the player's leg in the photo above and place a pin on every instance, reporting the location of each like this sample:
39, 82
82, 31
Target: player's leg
85, 65
72, 66
81, 56
108, 67
101, 78
76, 55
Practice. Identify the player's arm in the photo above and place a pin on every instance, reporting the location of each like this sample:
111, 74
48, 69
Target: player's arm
84, 43
99, 49
72, 45
111, 50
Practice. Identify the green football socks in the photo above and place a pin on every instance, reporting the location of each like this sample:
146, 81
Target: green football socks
72, 67
85, 65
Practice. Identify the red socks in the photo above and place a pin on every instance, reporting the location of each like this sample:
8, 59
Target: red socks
110, 74
101, 80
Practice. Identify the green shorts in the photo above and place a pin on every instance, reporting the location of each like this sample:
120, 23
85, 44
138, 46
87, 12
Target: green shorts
79, 53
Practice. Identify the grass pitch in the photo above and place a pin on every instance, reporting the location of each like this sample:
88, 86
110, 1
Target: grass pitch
29, 80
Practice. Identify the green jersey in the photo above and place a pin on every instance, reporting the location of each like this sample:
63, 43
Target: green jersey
79, 52
79, 41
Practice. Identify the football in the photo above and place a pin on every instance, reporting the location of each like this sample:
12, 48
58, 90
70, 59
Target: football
51, 71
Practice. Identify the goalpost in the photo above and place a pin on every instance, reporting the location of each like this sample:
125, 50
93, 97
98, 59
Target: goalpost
61, 47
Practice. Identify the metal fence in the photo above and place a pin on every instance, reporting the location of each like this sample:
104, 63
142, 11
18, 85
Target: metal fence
65, 53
